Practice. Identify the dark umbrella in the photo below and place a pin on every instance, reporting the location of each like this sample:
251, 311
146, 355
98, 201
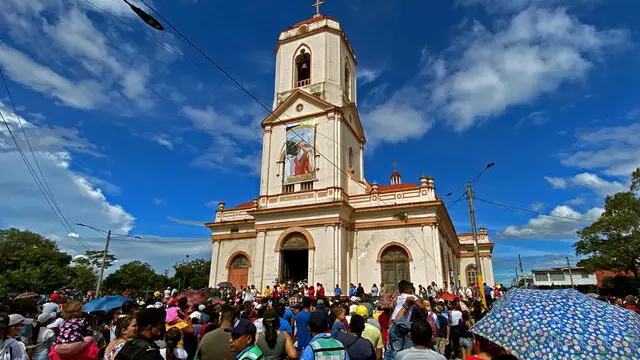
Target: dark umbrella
225, 284
28, 295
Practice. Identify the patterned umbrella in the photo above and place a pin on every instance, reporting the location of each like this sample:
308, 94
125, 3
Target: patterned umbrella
559, 325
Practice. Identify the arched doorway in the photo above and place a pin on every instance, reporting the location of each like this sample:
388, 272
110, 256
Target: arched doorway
294, 257
394, 266
238, 266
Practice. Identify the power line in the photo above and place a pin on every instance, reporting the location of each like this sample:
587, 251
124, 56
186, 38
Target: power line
42, 183
530, 211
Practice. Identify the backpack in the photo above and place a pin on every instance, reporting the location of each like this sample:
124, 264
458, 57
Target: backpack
432, 322
442, 330
134, 347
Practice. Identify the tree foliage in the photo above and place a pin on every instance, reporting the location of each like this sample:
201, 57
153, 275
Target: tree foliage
92, 259
193, 274
135, 275
31, 262
83, 278
613, 241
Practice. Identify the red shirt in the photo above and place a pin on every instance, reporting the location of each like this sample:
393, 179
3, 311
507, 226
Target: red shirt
312, 294
384, 319
321, 292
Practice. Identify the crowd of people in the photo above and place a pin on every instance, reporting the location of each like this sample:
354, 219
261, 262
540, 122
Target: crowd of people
286, 320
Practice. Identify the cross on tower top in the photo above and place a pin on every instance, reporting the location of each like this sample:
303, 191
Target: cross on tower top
317, 6
395, 165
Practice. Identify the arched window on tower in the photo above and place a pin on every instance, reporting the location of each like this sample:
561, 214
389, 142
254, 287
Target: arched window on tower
350, 160
472, 274
303, 68
347, 81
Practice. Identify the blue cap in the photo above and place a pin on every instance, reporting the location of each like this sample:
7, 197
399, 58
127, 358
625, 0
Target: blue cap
242, 327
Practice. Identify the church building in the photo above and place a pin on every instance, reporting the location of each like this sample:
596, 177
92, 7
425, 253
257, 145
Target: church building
316, 216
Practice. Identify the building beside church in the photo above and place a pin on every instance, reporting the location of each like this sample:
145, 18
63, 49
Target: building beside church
316, 217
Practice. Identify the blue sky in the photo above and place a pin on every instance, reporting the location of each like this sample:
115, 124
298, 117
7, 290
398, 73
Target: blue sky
136, 132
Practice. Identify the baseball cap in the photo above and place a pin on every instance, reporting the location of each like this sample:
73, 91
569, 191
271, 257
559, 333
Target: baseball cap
4, 320
201, 307
361, 310
17, 319
44, 317
242, 327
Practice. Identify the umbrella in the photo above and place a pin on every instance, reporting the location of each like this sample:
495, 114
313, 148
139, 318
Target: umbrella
27, 295
225, 284
105, 303
448, 297
560, 324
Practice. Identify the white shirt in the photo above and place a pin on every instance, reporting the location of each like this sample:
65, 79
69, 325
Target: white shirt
418, 354
402, 298
179, 352
456, 315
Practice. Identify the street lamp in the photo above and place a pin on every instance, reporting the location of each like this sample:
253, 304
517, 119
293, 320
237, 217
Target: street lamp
106, 250
148, 19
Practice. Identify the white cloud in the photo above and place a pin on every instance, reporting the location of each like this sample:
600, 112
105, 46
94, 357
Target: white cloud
589, 181
185, 221
394, 122
531, 54
614, 149
537, 206
517, 5
366, 76
23, 205
562, 224
576, 201
83, 94
556, 182
163, 140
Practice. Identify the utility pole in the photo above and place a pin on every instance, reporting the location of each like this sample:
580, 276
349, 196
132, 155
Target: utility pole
104, 259
522, 271
517, 277
570, 276
476, 249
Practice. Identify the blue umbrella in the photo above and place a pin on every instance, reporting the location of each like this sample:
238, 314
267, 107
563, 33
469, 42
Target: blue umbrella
105, 303
559, 325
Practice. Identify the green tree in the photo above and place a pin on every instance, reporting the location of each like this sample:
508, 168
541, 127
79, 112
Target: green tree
83, 278
93, 260
613, 241
136, 276
193, 274
31, 262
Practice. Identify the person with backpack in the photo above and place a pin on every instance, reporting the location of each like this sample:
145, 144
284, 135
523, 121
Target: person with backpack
421, 349
444, 331
357, 347
322, 346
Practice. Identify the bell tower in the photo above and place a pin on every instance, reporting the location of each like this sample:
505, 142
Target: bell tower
315, 56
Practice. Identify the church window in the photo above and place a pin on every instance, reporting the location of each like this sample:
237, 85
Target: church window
471, 274
306, 186
288, 189
351, 158
347, 82
303, 68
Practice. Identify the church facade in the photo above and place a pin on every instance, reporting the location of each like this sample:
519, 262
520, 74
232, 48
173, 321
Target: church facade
316, 217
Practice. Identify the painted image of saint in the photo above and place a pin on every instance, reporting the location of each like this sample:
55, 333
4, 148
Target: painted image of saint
302, 160
299, 163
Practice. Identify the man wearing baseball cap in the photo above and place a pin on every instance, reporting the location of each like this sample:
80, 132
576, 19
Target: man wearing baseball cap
370, 332
10, 326
243, 339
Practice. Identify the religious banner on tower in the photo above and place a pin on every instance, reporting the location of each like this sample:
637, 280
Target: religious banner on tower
299, 164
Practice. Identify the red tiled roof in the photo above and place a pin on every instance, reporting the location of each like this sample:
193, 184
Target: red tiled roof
312, 20
243, 206
396, 187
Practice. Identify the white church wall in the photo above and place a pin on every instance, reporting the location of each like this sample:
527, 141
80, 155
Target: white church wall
227, 250
369, 243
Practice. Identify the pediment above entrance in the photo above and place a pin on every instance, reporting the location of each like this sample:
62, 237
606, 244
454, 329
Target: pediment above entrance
299, 104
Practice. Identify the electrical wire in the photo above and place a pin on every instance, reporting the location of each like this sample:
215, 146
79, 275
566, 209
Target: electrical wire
42, 180
516, 208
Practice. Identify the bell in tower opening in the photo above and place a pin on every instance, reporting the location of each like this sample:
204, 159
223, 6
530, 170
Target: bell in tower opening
303, 68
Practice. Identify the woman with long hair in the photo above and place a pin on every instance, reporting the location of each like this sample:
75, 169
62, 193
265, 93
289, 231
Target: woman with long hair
125, 329
466, 342
275, 344
172, 351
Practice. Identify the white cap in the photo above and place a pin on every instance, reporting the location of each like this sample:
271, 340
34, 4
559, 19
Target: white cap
46, 317
16, 319
201, 307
